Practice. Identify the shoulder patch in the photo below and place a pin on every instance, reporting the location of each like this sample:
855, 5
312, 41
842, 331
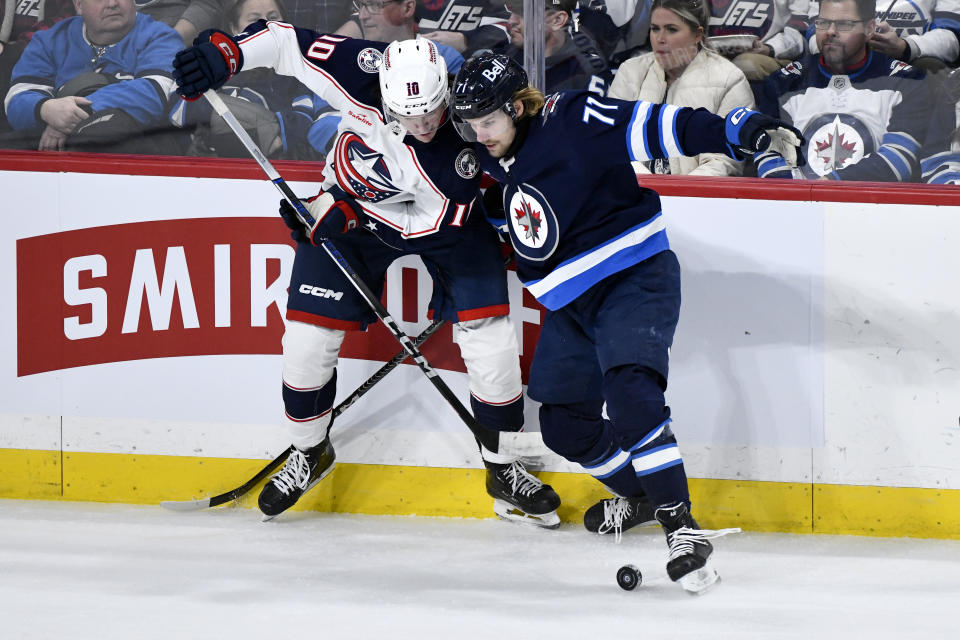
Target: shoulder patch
550, 105
794, 68
896, 66
466, 164
369, 60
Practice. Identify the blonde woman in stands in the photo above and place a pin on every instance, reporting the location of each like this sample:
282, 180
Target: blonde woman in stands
681, 71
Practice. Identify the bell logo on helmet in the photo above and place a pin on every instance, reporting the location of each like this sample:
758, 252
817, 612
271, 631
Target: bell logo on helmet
495, 71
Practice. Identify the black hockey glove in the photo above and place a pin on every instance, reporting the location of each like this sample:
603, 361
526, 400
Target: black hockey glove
334, 212
208, 64
749, 132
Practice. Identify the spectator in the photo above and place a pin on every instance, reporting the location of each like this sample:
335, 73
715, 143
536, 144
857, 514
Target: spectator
862, 113
100, 81
925, 33
187, 17
277, 111
572, 59
465, 25
681, 71
18, 22
759, 36
630, 18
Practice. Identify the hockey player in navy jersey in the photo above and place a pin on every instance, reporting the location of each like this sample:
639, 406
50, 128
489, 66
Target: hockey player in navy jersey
398, 181
591, 246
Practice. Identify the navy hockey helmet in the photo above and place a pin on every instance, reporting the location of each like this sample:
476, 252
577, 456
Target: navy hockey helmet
484, 84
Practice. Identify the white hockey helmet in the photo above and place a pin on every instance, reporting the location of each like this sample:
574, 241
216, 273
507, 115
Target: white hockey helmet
413, 78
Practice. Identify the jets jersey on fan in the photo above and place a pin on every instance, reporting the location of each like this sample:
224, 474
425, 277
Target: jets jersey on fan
867, 124
781, 24
930, 27
482, 22
411, 191
572, 204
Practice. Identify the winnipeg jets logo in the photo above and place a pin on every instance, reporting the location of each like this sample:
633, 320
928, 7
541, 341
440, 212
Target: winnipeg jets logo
528, 220
836, 141
362, 171
533, 225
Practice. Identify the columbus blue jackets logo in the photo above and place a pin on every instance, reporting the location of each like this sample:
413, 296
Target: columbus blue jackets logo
835, 141
369, 60
361, 170
466, 164
533, 225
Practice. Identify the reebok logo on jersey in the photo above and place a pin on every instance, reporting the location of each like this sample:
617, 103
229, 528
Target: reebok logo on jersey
320, 292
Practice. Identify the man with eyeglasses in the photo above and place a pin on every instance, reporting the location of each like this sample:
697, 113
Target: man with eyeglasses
863, 114
572, 56
398, 182
925, 33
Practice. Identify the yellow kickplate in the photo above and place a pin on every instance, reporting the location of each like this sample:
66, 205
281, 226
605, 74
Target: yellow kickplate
30, 475
436, 491
887, 511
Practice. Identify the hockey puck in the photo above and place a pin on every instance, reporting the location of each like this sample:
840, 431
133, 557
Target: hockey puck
629, 577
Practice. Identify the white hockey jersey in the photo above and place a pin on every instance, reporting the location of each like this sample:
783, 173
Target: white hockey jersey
867, 124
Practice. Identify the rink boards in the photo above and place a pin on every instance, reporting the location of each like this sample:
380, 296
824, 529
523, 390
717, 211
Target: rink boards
814, 380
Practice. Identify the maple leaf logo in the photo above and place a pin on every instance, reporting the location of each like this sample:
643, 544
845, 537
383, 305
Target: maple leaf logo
529, 219
834, 152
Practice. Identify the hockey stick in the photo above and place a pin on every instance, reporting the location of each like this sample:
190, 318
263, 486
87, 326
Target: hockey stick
487, 437
233, 494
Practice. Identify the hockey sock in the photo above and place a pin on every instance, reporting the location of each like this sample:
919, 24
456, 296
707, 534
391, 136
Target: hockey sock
309, 412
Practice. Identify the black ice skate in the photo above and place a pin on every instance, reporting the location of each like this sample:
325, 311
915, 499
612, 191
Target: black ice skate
689, 548
618, 514
302, 471
521, 497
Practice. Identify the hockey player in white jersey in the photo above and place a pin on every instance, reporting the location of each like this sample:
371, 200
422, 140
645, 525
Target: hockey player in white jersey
398, 181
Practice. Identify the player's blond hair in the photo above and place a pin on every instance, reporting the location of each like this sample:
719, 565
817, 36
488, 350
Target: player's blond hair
532, 99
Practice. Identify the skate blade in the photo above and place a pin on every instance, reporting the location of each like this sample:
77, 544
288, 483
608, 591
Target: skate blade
507, 511
323, 475
698, 582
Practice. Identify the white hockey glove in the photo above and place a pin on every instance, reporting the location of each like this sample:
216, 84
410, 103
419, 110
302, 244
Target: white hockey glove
749, 132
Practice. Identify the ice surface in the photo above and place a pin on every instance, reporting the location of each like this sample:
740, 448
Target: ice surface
83, 570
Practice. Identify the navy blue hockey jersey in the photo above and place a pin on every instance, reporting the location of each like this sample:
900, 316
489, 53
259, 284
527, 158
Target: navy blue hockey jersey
572, 204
